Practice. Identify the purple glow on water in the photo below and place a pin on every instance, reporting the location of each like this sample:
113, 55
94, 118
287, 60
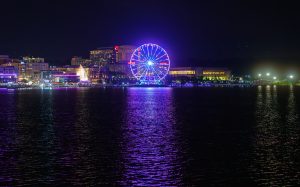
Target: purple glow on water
151, 154
64, 88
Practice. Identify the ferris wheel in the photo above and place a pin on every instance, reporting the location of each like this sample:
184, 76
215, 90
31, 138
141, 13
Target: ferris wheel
150, 64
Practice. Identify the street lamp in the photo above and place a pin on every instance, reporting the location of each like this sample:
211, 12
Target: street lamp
274, 78
259, 75
268, 74
291, 76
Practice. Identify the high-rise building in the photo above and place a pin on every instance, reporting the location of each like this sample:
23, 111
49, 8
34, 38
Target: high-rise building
123, 53
103, 56
76, 61
28, 59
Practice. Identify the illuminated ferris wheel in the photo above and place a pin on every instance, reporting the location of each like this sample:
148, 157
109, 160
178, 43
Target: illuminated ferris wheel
150, 64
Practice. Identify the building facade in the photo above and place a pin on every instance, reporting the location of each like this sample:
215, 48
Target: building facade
33, 70
76, 61
103, 56
220, 74
123, 53
28, 59
8, 74
209, 74
183, 71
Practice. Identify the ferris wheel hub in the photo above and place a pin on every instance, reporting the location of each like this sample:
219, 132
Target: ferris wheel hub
150, 63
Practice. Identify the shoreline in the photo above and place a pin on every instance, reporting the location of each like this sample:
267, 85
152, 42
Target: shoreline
142, 86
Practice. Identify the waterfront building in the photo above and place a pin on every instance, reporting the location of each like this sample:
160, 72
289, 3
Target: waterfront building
46, 76
21, 66
33, 70
66, 68
29, 68
220, 74
96, 74
122, 68
123, 53
210, 74
60, 78
183, 72
76, 61
103, 56
8, 74
119, 73
4, 59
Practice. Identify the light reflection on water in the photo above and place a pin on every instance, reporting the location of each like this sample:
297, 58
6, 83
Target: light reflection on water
151, 150
276, 139
150, 137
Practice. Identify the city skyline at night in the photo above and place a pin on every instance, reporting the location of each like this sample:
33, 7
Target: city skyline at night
195, 33
149, 93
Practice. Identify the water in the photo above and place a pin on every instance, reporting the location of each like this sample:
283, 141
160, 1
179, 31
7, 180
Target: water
150, 137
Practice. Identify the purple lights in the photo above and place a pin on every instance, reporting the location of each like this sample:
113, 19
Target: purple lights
8, 74
65, 75
151, 151
150, 64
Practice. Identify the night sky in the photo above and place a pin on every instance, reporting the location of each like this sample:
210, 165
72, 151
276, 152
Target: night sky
194, 33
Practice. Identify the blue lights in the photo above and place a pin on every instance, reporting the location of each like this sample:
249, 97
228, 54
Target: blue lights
150, 64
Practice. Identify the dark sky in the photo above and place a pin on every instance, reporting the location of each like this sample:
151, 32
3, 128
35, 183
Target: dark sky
191, 31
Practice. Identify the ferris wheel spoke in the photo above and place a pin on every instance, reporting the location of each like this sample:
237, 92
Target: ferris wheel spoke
156, 74
139, 53
140, 66
158, 53
143, 73
148, 51
138, 60
155, 51
163, 72
143, 76
135, 55
144, 53
153, 47
138, 69
138, 57
143, 56
151, 50
161, 56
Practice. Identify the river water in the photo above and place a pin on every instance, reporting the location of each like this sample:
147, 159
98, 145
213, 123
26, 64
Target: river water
150, 137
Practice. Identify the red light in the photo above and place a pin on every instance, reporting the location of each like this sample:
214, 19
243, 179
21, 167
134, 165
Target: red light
131, 63
116, 48
164, 63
